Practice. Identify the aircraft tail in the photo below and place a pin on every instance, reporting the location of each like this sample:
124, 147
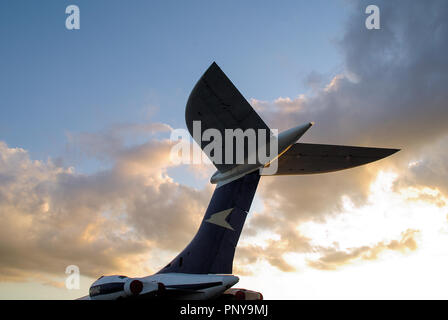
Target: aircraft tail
213, 248
216, 103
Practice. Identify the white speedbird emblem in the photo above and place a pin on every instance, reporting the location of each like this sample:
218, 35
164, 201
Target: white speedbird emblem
219, 218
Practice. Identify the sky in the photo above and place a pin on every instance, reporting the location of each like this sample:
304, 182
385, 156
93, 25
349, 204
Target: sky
86, 115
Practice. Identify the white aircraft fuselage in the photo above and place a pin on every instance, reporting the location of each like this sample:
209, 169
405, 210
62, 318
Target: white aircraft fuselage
172, 285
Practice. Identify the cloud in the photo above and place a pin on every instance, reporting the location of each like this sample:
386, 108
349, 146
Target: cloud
429, 168
333, 258
105, 222
272, 250
105, 144
393, 93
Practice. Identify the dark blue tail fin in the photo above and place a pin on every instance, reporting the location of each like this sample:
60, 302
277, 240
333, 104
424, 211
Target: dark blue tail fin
213, 247
216, 103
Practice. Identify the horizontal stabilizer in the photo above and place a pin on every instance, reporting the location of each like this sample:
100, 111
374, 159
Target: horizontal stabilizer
309, 158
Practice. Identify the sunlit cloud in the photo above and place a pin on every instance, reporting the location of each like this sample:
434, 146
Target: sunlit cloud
392, 97
105, 222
